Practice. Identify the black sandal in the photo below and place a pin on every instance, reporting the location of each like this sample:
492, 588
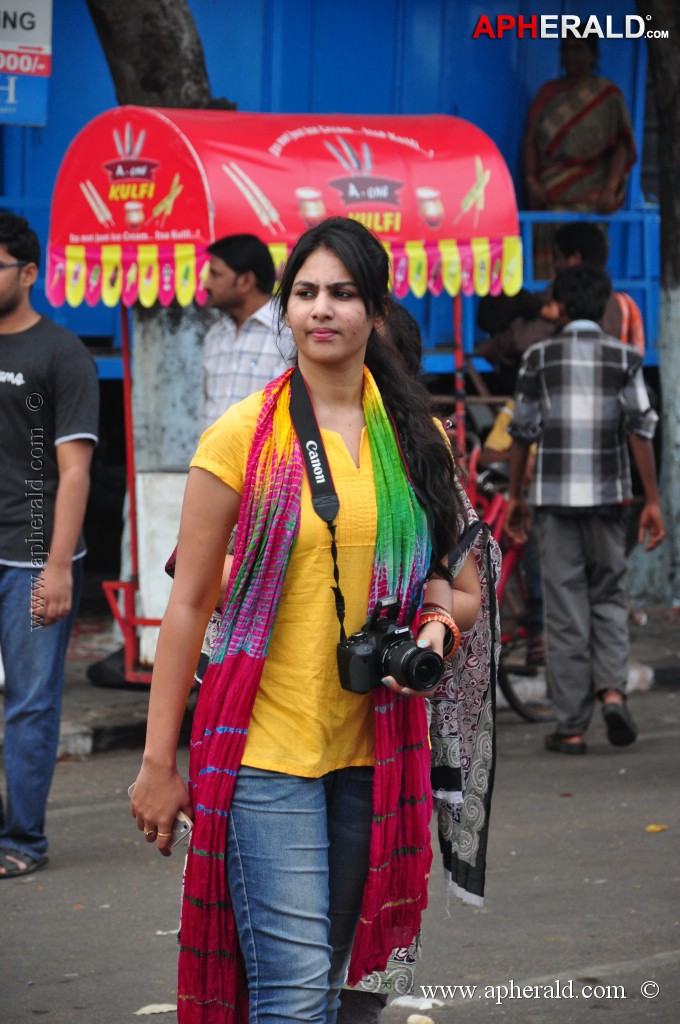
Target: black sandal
621, 729
558, 745
11, 861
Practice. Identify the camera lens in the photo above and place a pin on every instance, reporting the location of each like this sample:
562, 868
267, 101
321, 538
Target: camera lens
411, 667
425, 670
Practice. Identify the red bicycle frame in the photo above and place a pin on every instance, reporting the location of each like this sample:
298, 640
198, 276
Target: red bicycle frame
492, 508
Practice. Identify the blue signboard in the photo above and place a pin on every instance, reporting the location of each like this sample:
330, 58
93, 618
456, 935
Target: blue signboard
25, 61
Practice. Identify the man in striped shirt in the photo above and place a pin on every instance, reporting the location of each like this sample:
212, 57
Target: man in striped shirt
581, 396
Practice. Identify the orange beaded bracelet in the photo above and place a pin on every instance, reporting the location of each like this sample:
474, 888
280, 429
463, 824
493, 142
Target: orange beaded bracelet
451, 635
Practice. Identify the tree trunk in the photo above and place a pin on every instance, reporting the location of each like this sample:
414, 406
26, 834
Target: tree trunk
658, 576
156, 59
153, 51
664, 68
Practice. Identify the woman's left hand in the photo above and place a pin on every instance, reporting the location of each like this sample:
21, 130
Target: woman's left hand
430, 635
536, 195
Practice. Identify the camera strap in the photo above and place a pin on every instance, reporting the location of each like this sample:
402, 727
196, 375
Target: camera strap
464, 545
324, 497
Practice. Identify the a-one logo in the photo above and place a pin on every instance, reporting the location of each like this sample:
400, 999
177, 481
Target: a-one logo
361, 184
315, 462
130, 165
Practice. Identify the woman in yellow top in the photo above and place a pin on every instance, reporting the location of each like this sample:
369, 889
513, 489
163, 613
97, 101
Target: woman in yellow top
310, 802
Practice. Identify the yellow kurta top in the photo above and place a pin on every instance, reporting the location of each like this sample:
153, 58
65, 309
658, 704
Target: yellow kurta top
303, 722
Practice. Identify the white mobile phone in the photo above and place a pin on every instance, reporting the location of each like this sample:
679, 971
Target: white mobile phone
181, 826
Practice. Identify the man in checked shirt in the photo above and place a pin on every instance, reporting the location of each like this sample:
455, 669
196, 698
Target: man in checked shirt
242, 351
581, 396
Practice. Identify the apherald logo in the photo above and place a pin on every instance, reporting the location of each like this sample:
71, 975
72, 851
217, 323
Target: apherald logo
561, 26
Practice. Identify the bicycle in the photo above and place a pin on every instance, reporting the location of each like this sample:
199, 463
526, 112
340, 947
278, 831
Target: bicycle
524, 688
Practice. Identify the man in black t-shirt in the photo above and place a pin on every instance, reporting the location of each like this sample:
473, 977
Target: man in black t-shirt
49, 401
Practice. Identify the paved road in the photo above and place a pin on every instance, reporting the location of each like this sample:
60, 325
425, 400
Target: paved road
90, 939
578, 891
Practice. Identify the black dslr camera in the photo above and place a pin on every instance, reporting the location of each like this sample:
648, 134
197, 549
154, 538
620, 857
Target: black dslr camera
381, 649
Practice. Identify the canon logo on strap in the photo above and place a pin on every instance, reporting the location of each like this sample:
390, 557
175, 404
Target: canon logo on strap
315, 461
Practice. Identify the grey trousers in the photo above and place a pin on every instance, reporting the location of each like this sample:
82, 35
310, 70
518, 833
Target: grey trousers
584, 564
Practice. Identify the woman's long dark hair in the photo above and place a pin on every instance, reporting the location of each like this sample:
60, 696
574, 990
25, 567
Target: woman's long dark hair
408, 402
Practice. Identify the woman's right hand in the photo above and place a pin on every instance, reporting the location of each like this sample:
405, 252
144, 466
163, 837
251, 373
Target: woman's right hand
159, 792
607, 201
209, 514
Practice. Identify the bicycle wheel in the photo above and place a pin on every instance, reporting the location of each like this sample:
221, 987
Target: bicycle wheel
524, 687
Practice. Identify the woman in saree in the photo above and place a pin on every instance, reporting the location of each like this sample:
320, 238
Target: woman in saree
579, 145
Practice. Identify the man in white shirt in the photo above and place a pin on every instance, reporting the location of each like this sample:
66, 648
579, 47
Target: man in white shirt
245, 349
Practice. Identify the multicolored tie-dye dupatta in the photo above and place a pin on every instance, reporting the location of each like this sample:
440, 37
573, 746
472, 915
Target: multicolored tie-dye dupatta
212, 985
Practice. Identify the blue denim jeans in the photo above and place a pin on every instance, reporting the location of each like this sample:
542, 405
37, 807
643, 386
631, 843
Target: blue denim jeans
34, 662
297, 860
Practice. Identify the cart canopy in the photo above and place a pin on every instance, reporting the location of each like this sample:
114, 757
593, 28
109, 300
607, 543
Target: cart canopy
142, 191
